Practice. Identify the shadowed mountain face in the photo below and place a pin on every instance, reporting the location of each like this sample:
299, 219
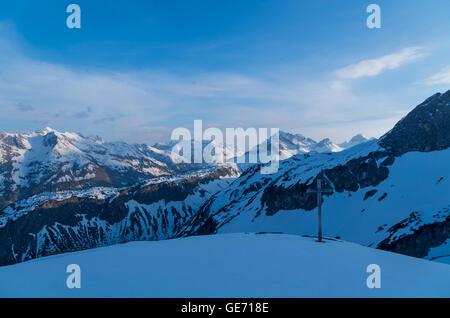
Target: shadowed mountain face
426, 128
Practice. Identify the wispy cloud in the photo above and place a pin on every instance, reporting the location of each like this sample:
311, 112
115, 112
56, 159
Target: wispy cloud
439, 78
145, 105
24, 107
135, 101
83, 114
374, 67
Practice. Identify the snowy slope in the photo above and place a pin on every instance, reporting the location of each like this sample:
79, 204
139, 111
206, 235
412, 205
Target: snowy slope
75, 220
392, 193
413, 187
237, 265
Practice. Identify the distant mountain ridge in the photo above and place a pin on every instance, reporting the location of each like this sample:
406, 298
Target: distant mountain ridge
356, 140
48, 160
294, 144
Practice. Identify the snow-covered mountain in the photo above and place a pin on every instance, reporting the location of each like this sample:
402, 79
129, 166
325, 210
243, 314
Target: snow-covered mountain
289, 145
74, 181
392, 194
73, 220
326, 145
294, 144
233, 265
49, 160
173, 150
356, 140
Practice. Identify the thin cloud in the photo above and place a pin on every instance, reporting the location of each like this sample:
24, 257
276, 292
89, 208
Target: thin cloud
108, 119
439, 78
130, 104
83, 114
24, 107
375, 67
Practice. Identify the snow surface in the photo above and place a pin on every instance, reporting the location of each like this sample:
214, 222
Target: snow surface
232, 265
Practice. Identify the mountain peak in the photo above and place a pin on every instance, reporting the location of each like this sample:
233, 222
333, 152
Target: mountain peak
325, 141
46, 130
424, 129
359, 137
295, 139
356, 140
438, 97
326, 145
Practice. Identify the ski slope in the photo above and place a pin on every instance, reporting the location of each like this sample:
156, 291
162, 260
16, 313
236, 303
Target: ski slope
229, 265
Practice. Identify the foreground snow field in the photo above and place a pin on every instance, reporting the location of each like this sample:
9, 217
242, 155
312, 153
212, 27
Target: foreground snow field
231, 265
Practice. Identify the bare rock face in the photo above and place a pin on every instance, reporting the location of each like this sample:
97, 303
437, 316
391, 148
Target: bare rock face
418, 243
426, 128
357, 173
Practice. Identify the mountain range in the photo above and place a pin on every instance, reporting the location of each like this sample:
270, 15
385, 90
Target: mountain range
48, 160
64, 192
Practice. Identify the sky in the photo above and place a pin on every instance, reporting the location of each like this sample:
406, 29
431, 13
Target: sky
138, 69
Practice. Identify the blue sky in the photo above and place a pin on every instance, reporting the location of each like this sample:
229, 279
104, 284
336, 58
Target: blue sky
138, 69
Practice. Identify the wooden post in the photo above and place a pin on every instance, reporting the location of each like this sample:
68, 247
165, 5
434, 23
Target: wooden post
319, 206
319, 192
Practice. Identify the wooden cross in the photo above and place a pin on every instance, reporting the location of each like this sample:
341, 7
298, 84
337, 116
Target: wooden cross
319, 192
